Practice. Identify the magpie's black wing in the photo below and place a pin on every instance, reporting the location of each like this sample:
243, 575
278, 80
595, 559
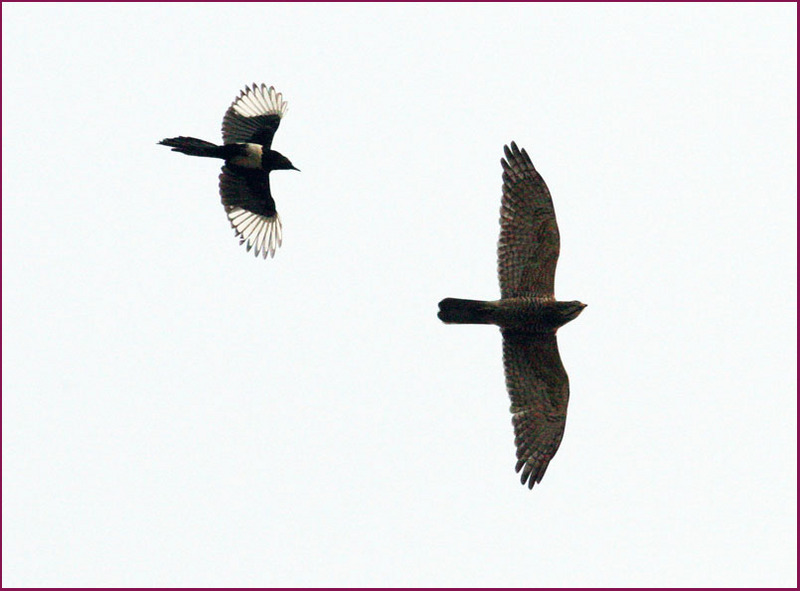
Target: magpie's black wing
251, 208
254, 116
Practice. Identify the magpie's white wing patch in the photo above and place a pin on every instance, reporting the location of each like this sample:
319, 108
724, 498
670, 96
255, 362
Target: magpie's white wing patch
254, 115
260, 100
262, 234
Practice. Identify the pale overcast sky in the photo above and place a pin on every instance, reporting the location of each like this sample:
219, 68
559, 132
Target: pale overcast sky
178, 413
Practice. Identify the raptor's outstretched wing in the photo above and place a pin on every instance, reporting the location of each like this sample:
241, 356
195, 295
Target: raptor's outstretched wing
528, 248
254, 116
539, 389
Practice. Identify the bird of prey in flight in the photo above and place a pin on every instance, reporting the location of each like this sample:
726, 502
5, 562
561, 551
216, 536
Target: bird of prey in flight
527, 313
247, 130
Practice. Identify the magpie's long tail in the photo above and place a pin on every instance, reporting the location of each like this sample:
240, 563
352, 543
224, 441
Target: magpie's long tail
193, 147
458, 311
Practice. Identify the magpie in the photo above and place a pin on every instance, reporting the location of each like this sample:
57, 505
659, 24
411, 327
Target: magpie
247, 130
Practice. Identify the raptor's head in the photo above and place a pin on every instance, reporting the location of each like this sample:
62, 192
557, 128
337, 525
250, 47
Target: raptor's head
569, 310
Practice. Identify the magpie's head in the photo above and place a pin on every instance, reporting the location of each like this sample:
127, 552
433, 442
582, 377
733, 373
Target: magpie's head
278, 161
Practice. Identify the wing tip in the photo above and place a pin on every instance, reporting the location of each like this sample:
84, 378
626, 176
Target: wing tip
259, 233
513, 152
531, 473
259, 99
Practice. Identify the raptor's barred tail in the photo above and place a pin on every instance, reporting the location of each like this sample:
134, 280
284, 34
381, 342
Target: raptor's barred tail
193, 147
457, 311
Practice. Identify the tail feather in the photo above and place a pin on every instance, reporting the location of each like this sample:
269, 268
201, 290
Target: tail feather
193, 146
458, 311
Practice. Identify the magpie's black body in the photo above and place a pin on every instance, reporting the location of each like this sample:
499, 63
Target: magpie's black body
247, 131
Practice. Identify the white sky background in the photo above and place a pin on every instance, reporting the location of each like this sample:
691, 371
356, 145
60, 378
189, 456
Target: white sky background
176, 412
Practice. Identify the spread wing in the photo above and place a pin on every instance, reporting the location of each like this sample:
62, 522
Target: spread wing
539, 389
251, 208
254, 116
527, 252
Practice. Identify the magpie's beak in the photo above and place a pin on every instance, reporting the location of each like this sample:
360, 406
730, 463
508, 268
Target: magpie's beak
295, 168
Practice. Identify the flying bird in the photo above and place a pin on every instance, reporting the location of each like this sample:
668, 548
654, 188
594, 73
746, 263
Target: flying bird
527, 313
247, 130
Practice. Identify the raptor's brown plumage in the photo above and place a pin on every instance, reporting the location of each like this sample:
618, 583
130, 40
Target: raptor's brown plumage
527, 313
528, 248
